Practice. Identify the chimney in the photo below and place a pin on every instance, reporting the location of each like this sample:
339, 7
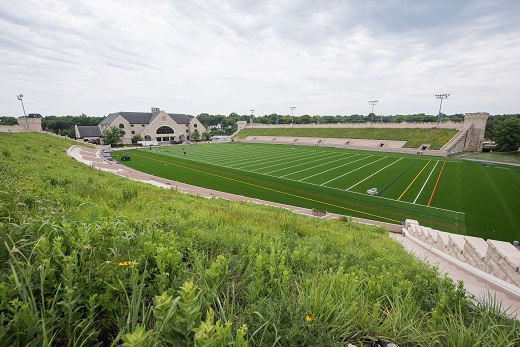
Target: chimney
155, 110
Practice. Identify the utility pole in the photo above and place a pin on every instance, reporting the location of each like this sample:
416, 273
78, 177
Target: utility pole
442, 97
292, 114
373, 103
20, 96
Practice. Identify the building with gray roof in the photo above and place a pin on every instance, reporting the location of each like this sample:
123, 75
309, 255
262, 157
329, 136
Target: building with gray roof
157, 126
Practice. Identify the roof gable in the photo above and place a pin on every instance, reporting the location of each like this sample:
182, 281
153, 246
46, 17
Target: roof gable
88, 131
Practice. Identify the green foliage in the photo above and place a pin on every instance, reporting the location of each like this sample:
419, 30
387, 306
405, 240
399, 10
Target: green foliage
65, 124
415, 137
113, 136
195, 136
506, 134
79, 268
8, 120
137, 138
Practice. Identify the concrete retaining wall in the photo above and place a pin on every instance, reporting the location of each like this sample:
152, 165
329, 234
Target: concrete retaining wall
497, 258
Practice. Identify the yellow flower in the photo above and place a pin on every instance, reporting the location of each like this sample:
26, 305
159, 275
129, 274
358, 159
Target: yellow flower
124, 263
308, 318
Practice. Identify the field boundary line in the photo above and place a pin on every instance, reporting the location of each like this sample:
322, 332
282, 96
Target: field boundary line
424, 185
436, 183
375, 173
346, 173
411, 183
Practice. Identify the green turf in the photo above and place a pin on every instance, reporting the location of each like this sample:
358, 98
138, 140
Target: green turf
446, 194
415, 137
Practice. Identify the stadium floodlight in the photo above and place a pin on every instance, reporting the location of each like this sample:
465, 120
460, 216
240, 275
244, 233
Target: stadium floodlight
292, 114
373, 103
442, 97
251, 117
20, 96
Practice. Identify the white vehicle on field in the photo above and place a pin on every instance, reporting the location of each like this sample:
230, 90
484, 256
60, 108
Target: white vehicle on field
372, 191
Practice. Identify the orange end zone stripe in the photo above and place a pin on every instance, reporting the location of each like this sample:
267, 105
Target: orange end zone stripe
435, 188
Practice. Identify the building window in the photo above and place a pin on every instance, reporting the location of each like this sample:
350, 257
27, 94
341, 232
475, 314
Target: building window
194, 125
187, 131
142, 125
133, 132
158, 138
164, 130
131, 125
121, 126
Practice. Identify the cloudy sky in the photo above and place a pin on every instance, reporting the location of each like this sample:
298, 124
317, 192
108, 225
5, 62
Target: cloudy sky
326, 57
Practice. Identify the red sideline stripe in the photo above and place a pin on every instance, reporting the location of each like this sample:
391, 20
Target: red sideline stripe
434, 188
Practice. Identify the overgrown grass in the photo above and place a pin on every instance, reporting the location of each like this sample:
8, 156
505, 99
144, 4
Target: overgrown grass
81, 265
415, 137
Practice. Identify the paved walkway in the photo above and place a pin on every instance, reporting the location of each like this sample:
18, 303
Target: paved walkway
475, 285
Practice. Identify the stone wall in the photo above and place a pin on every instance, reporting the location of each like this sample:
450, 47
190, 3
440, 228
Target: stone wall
24, 125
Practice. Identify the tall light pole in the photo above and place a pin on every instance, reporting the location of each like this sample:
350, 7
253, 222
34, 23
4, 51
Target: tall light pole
442, 97
292, 114
20, 96
251, 117
373, 103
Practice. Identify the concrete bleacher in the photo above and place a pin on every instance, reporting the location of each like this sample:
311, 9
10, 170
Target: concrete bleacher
384, 145
496, 258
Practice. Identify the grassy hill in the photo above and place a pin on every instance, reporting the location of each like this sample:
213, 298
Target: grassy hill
93, 259
414, 137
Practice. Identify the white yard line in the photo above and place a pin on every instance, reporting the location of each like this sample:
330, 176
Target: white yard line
424, 185
313, 167
375, 173
334, 168
353, 171
298, 160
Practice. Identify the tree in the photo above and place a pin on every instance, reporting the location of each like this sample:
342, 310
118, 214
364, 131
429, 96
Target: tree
137, 138
506, 134
195, 136
113, 136
206, 136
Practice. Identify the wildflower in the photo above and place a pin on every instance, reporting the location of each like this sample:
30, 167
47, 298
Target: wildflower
14, 251
308, 318
124, 263
34, 254
40, 268
20, 204
86, 248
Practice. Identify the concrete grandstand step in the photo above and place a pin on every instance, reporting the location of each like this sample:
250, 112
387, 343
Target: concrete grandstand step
456, 246
442, 242
475, 250
507, 257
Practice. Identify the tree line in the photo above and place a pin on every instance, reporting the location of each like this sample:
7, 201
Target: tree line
503, 129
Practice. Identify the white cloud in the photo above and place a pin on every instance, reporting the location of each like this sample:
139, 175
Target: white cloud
215, 56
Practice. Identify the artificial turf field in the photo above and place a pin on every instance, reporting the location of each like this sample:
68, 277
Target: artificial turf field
458, 196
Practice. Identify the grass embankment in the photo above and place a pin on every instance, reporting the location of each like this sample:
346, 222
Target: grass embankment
95, 259
415, 137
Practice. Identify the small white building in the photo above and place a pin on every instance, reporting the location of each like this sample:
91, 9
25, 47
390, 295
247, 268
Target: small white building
156, 125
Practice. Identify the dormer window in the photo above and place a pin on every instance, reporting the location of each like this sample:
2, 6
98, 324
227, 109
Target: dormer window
121, 126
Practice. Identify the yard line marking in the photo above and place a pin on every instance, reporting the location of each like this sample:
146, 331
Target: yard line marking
353, 171
297, 160
402, 173
313, 167
435, 188
424, 167
334, 168
424, 185
349, 188
308, 162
